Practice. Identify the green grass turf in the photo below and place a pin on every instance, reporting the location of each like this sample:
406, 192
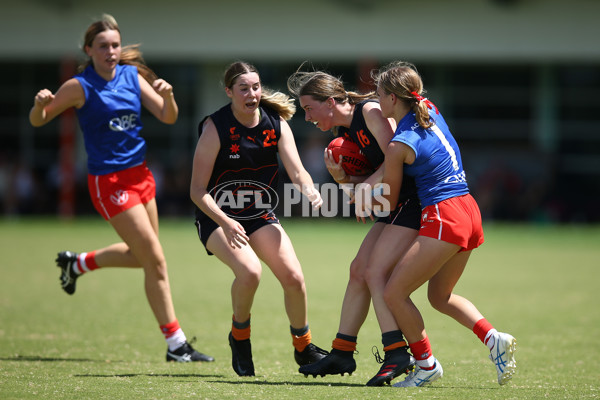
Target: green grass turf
540, 283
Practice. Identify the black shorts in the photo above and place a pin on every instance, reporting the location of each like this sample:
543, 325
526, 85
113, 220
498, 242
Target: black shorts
407, 214
206, 226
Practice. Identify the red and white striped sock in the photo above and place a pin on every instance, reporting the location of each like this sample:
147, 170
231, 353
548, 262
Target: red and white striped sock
485, 332
173, 335
86, 262
421, 351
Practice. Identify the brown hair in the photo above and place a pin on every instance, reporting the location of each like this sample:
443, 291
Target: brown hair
321, 86
130, 55
403, 79
279, 102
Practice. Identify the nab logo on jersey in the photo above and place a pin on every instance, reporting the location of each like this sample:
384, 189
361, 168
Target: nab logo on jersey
235, 148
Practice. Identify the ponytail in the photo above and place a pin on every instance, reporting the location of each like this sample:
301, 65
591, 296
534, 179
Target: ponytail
131, 55
279, 102
403, 79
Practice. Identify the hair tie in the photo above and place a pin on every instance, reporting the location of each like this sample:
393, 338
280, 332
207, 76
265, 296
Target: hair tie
428, 103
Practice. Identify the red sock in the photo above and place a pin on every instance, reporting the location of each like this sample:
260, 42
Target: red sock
173, 335
169, 329
421, 351
86, 262
481, 329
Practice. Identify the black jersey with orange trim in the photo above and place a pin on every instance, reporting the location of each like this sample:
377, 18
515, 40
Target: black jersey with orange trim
246, 165
360, 134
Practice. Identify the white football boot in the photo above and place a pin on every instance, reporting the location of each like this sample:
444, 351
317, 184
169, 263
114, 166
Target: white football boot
422, 377
503, 356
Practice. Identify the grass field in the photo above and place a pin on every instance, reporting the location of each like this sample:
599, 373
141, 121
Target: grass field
540, 283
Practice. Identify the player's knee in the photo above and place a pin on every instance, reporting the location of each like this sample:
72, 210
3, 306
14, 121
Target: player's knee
375, 278
293, 282
156, 266
438, 301
357, 272
249, 277
390, 296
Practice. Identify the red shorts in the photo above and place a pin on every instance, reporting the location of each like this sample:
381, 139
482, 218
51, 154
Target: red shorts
119, 191
456, 220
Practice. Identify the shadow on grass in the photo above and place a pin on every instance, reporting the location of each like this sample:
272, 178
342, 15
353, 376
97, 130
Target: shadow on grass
51, 359
242, 381
342, 384
150, 375
264, 382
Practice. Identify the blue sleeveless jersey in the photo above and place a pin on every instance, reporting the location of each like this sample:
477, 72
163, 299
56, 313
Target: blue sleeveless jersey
110, 120
438, 169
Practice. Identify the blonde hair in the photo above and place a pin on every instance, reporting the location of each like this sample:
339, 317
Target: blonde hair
130, 55
277, 101
403, 79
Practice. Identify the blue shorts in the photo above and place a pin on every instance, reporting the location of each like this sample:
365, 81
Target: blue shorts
206, 226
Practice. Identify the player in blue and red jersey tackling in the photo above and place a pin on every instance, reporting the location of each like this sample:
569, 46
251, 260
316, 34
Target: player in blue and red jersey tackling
451, 226
108, 95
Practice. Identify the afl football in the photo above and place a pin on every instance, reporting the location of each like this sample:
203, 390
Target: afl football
354, 161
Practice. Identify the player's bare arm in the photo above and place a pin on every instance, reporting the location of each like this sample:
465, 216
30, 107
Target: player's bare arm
397, 154
159, 99
46, 105
205, 155
294, 168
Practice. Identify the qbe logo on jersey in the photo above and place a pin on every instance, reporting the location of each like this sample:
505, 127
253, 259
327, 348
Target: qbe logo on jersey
244, 199
123, 123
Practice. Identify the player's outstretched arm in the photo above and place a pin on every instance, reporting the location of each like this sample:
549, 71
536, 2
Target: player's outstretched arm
46, 105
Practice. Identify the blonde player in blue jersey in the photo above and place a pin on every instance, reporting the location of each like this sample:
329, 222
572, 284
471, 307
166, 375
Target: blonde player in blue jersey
451, 227
107, 95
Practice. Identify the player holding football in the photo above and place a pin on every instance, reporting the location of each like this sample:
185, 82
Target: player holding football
237, 153
107, 95
329, 106
451, 226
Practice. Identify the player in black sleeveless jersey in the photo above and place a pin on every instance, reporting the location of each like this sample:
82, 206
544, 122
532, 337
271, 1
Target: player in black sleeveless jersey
234, 181
329, 106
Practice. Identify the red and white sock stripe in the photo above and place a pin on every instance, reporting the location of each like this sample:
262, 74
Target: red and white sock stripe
173, 335
86, 262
